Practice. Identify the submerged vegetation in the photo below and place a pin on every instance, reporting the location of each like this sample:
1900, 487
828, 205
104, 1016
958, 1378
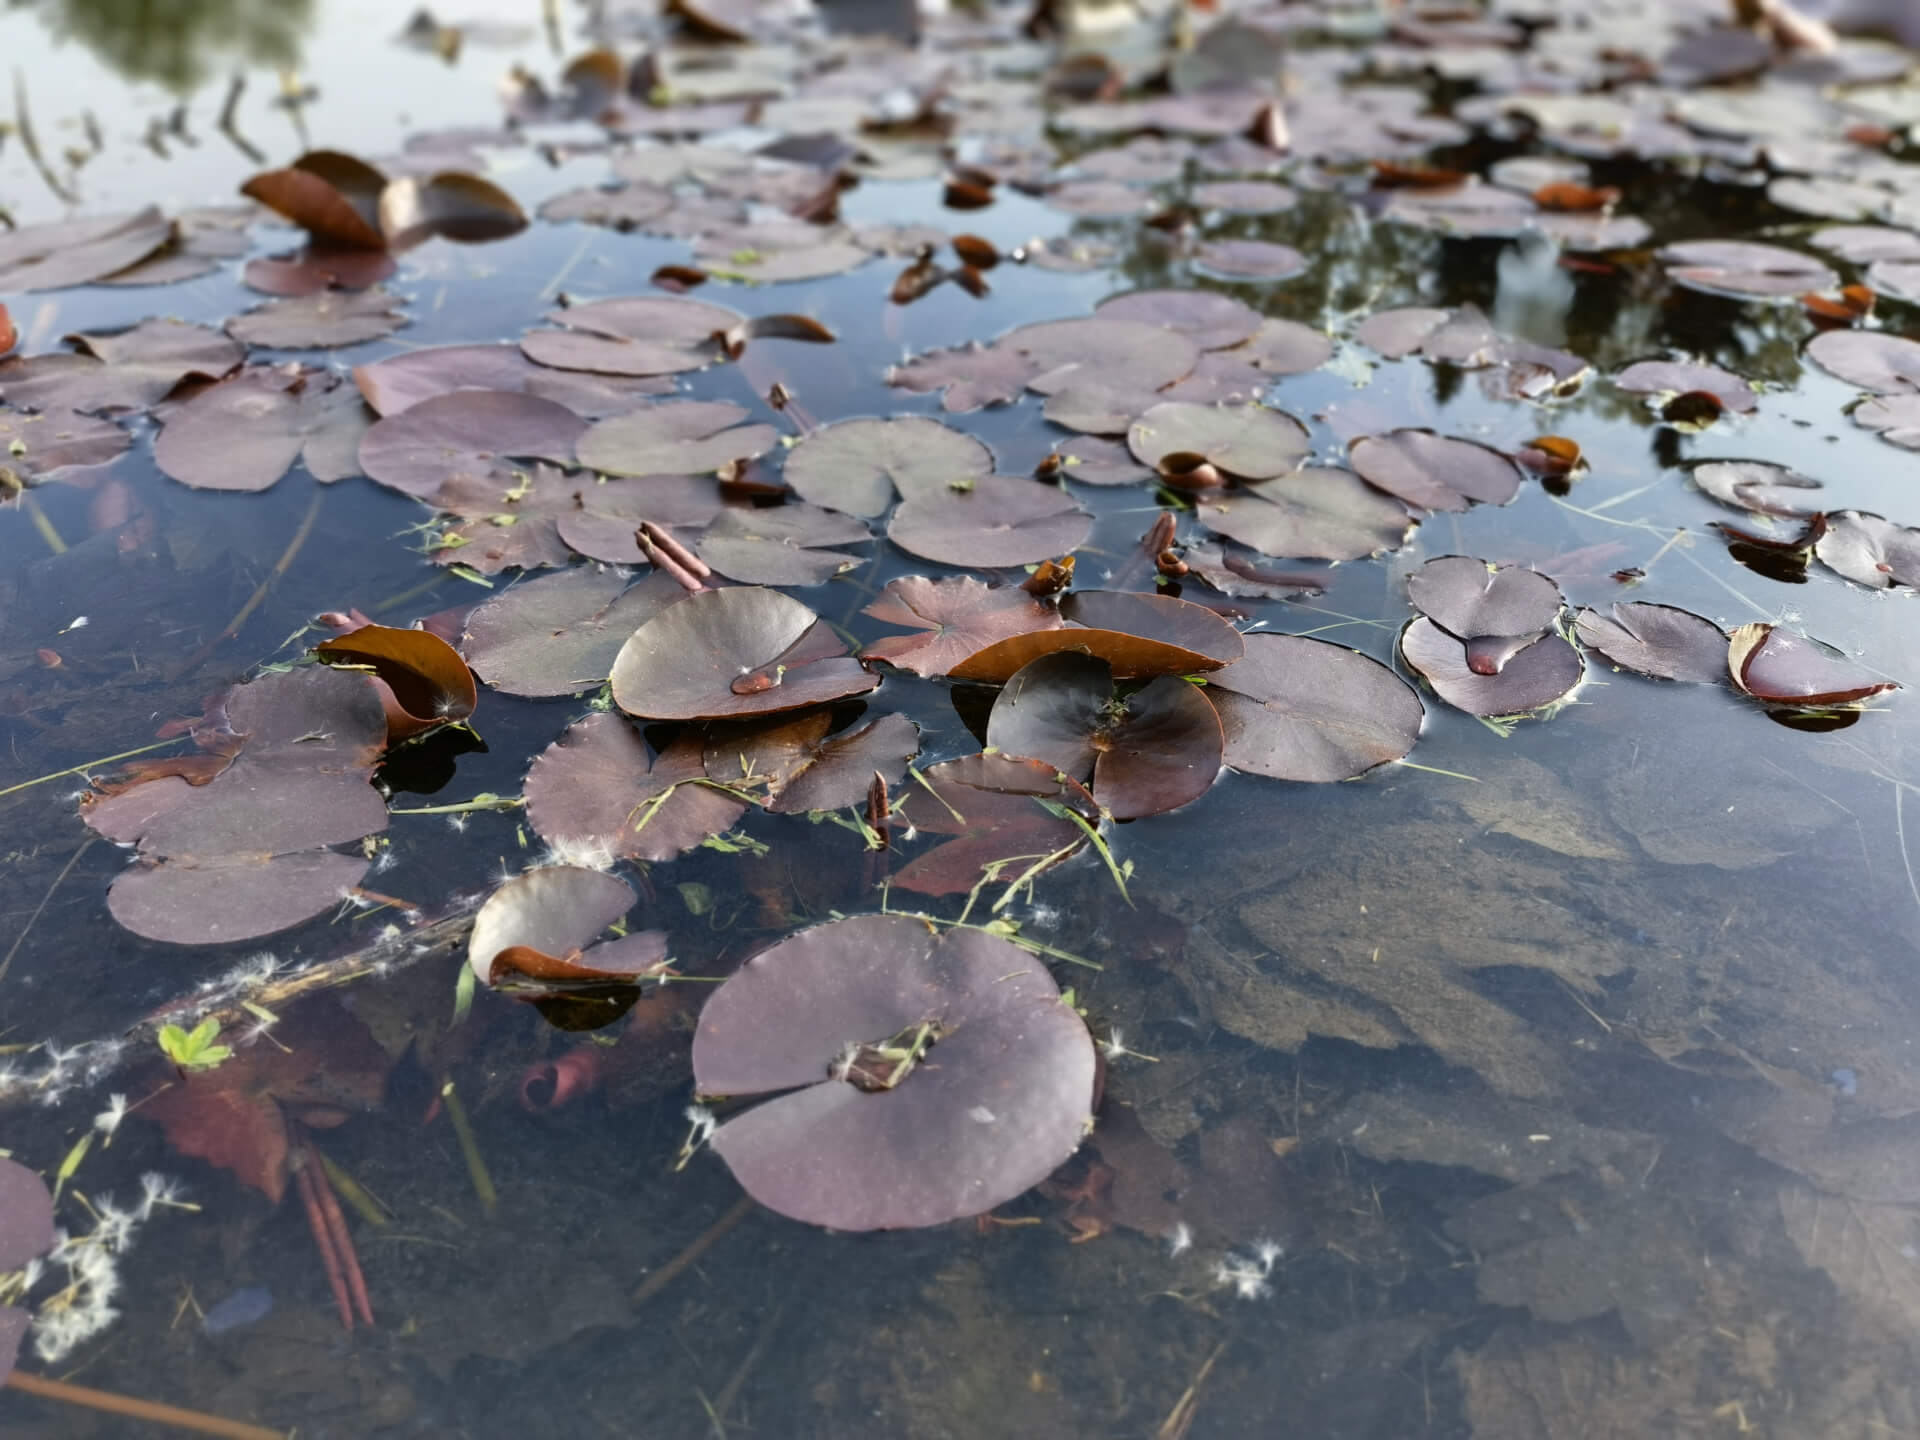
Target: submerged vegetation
1363, 549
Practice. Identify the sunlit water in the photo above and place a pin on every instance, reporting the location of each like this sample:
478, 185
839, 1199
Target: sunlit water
1575, 1062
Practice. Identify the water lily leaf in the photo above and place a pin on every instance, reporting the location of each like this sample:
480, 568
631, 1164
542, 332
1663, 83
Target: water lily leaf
1743, 269
424, 680
1004, 814
401, 381
595, 789
126, 371
556, 911
1538, 675
1138, 636
1896, 417
1099, 199
631, 958
506, 521
559, 634
38, 446
1863, 244
744, 650
317, 268
1435, 472
1872, 359
1473, 600
1119, 354
214, 900
26, 1218
1245, 197
1007, 1099
1661, 377
605, 516
801, 767
1152, 752
450, 204
244, 432
966, 377
634, 335
676, 437
855, 466
1248, 260
994, 522
955, 618
78, 252
332, 196
324, 320
1757, 486
1663, 641
1296, 708
1211, 320
1249, 441
781, 544
1870, 549
1236, 571
468, 434
1400, 332
1313, 513
1783, 668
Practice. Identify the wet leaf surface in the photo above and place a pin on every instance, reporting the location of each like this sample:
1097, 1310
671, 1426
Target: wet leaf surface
40, 445
1781, 667
1538, 674
856, 466
557, 912
245, 432
1001, 1099
1869, 549
597, 790
995, 522
1296, 708
1758, 486
324, 320
1312, 513
1662, 641
1250, 442
1743, 269
404, 380
1875, 361
467, 435
675, 437
1473, 600
425, 681
1435, 472
1139, 637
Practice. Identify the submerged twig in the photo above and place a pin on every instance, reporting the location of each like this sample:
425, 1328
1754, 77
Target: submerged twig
150, 1410
702, 1243
279, 570
65, 870
477, 1170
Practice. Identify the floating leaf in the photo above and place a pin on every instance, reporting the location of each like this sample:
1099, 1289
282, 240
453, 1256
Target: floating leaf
1245, 197
1296, 708
1118, 354
34, 447
467, 434
1138, 636
1005, 816
595, 789
1663, 641
607, 515
1435, 472
401, 381
1312, 513
556, 912
781, 544
424, 680
744, 650
1784, 668
324, 320
193, 900
1534, 677
1872, 359
637, 335
78, 252
332, 196
318, 268
1154, 751
994, 522
1248, 260
967, 377
1743, 269
1664, 377
1476, 602
26, 1222
1210, 320
558, 635
1869, 549
1896, 417
676, 437
860, 1140
1249, 441
801, 767
956, 618
244, 432
855, 466
1757, 486
126, 371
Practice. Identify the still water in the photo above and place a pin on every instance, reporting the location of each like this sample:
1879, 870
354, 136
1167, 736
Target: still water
1560, 1083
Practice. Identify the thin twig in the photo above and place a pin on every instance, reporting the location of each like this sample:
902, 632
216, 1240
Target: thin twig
152, 1410
279, 570
65, 870
86, 765
703, 1242
470, 1149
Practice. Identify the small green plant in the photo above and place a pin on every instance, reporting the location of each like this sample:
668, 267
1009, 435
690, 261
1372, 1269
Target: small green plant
194, 1049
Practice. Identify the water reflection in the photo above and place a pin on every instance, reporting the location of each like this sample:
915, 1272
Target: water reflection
178, 43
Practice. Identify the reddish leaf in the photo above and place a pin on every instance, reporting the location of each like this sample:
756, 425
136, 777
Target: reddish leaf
957, 618
1783, 668
996, 810
332, 196
802, 768
1302, 709
423, 679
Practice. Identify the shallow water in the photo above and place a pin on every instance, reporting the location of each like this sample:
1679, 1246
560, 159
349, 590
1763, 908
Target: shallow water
1572, 1069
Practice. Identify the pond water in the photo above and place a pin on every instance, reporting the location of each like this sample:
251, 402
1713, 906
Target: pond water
1559, 1081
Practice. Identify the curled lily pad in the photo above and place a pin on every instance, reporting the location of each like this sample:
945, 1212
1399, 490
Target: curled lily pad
1872, 359
781, 545
331, 195
125, 371
423, 680
744, 650
855, 466
324, 320
676, 437
559, 634
953, 619
1000, 817
1312, 513
597, 790
992, 522
1743, 269
555, 912
1538, 675
1870, 549
1146, 754
1758, 486
1249, 441
1435, 472
1296, 708
801, 767
467, 434
916, 1078
1784, 668
244, 432
1663, 641
451, 204
1138, 636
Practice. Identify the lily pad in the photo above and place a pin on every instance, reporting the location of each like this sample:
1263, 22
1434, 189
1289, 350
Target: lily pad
450, 204
1002, 1097
243, 433
1435, 472
606, 516
676, 437
37, 446
125, 371
1538, 675
1138, 636
78, 252
1743, 269
1312, 513
1476, 602
993, 522
1757, 486
801, 767
1662, 641
1870, 549
596, 790
325, 320
559, 634
1296, 708
467, 434
635, 335
423, 680
966, 377
1212, 321
331, 195
781, 544
1663, 377
1118, 354
556, 912
1248, 260
402, 381
856, 466
1002, 815
1871, 359
955, 618
1248, 441
1784, 668
1154, 751
744, 650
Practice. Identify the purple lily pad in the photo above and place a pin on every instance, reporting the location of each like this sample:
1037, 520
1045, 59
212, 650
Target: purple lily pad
325, 320
1248, 260
781, 544
1312, 513
78, 252
596, 789
1248, 441
953, 619
801, 767
676, 437
1661, 377
994, 522
1296, 708
1000, 815
1002, 1097
214, 900
1870, 549
1473, 600
1118, 354
1757, 486
1435, 472
1781, 667
244, 432
966, 377
559, 635
41, 445
556, 911
1212, 321
26, 1218
467, 434
125, 371
401, 381
1139, 636
744, 650
1896, 417
1662, 641
1532, 678
1743, 269
855, 466
604, 517
637, 335
1871, 359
